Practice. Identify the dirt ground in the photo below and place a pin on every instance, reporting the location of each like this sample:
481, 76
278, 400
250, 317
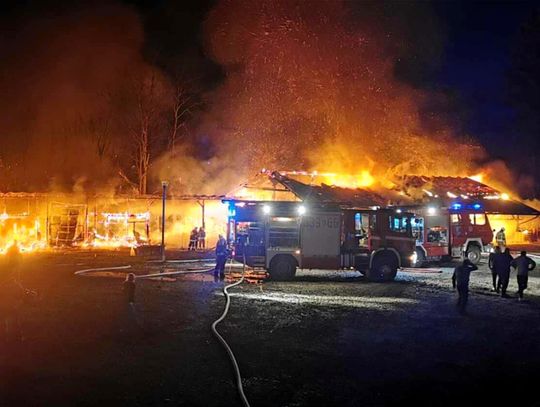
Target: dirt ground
329, 339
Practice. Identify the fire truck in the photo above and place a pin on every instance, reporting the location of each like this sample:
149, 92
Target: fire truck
460, 230
283, 236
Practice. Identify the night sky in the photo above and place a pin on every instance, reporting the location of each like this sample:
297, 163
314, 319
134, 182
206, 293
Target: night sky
467, 51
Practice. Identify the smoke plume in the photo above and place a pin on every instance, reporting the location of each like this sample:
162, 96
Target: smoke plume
316, 88
57, 75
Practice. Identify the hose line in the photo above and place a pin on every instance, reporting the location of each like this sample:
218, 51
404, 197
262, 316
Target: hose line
238, 376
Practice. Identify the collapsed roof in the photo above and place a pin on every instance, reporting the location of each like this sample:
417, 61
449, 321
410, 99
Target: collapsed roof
410, 190
323, 193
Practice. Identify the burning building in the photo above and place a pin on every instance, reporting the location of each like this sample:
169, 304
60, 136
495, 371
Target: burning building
521, 221
39, 221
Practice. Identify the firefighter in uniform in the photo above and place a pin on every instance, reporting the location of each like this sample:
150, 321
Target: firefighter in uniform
193, 237
221, 258
501, 238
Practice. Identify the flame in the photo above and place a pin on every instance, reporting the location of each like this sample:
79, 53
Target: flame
478, 177
362, 180
21, 231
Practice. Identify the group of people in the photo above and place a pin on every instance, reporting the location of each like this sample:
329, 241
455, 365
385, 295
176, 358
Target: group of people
500, 263
197, 239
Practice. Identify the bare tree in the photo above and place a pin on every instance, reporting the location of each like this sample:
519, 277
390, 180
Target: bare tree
147, 103
101, 134
183, 103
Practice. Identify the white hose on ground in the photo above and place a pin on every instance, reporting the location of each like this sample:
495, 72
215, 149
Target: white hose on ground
238, 376
85, 271
182, 261
171, 273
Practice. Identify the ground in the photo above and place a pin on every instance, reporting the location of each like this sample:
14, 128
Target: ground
323, 339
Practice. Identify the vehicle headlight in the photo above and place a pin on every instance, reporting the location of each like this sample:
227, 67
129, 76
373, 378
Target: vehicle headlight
413, 257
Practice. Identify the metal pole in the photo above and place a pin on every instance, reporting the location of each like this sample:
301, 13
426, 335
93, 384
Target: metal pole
164, 184
203, 217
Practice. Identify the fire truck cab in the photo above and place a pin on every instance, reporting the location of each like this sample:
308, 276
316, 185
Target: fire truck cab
283, 236
461, 230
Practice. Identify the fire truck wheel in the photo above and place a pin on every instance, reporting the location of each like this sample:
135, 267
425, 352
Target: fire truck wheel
420, 258
282, 268
474, 254
384, 268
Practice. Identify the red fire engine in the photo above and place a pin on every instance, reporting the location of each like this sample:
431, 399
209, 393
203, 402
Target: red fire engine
283, 236
461, 230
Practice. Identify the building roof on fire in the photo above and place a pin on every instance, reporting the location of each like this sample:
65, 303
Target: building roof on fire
443, 186
331, 194
412, 190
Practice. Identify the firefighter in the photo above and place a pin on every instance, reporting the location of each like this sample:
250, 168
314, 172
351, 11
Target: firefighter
221, 258
460, 280
501, 264
193, 236
523, 265
494, 274
201, 238
501, 238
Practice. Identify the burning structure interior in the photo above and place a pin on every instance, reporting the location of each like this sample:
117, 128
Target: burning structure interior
40, 220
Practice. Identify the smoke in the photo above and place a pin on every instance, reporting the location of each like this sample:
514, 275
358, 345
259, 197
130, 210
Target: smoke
58, 72
315, 88
190, 175
332, 86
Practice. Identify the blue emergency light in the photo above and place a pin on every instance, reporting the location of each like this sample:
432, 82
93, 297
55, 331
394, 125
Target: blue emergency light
457, 206
231, 210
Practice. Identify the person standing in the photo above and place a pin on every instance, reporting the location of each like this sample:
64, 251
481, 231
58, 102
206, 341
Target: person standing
491, 266
460, 280
202, 238
193, 236
502, 263
501, 238
129, 288
130, 323
523, 265
221, 258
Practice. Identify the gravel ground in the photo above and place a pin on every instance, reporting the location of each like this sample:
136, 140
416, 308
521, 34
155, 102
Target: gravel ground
327, 338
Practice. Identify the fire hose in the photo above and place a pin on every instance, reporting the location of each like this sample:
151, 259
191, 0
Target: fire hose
170, 273
238, 376
222, 340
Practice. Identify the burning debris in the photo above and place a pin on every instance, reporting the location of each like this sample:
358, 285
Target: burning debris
20, 230
104, 223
